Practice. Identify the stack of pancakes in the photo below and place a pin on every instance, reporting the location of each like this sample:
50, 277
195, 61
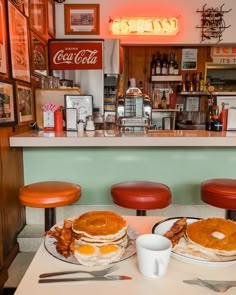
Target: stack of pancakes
101, 228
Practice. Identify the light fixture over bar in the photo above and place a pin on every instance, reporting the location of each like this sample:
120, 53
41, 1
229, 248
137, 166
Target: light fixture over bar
144, 26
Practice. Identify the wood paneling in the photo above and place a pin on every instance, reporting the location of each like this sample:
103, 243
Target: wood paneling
12, 213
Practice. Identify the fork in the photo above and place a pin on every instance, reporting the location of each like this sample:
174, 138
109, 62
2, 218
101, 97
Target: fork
220, 287
95, 273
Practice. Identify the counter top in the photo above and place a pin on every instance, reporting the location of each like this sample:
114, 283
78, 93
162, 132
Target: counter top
110, 138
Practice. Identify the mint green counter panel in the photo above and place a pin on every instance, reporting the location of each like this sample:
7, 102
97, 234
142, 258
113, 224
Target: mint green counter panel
96, 169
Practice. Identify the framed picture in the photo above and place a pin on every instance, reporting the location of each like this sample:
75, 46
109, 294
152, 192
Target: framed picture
83, 104
51, 18
3, 46
39, 55
7, 111
82, 19
192, 104
22, 5
25, 106
38, 17
19, 44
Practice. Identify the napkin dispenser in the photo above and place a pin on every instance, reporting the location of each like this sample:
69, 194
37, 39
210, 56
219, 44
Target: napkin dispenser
231, 120
71, 119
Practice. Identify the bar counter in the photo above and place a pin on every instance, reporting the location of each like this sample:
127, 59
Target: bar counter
181, 159
110, 138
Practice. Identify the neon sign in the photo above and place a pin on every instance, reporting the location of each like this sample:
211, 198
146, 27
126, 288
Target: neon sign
145, 26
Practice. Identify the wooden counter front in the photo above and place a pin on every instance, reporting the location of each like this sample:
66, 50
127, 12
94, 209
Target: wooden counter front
109, 138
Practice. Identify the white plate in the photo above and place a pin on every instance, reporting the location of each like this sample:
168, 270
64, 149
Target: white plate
49, 243
163, 226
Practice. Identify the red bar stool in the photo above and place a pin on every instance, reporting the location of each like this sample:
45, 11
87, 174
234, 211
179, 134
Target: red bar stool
141, 196
221, 193
49, 195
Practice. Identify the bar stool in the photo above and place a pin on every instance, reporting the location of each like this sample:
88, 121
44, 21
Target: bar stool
221, 193
49, 195
141, 195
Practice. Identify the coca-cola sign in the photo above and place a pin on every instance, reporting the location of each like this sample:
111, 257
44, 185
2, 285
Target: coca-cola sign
75, 55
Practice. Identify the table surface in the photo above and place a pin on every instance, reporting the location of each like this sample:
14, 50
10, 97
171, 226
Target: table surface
170, 284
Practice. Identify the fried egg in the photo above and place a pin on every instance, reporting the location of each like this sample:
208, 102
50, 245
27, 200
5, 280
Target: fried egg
91, 255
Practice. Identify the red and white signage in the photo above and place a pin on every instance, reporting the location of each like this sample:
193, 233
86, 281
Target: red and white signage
75, 55
223, 55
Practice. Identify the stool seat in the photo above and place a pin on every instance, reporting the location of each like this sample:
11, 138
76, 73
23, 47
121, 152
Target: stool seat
221, 193
49, 195
141, 195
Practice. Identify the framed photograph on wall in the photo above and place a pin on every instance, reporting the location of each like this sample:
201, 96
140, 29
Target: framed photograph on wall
192, 104
19, 44
38, 17
7, 111
51, 18
82, 19
24, 101
83, 104
39, 55
3, 46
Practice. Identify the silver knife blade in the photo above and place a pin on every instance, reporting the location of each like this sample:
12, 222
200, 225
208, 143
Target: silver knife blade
192, 282
107, 278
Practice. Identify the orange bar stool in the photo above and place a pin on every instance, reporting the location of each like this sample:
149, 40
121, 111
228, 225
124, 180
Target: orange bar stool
141, 195
49, 195
221, 193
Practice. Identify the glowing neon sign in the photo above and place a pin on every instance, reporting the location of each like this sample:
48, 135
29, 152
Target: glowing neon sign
145, 26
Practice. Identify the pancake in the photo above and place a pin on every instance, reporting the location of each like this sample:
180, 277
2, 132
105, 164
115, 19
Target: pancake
100, 226
214, 234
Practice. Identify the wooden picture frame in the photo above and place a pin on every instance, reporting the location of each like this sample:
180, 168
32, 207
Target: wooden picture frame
51, 18
19, 44
25, 103
22, 5
83, 104
39, 55
4, 68
82, 19
7, 106
38, 17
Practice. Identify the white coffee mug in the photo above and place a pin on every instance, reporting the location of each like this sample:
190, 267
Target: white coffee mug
153, 253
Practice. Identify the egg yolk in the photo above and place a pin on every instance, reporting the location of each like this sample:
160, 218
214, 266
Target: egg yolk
108, 248
86, 249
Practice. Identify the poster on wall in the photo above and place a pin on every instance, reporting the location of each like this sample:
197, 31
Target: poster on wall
75, 55
3, 52
18, 30
189, 59
7, 112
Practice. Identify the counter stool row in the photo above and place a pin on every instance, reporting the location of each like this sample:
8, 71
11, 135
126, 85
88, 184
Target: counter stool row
137, 195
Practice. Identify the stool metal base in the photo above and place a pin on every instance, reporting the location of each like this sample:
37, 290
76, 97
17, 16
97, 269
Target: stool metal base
140, 212
50, 218
231, 214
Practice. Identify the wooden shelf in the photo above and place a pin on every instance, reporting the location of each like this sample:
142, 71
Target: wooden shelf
168, 78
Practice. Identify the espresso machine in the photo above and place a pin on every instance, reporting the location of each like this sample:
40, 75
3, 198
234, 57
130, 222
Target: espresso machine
134, 110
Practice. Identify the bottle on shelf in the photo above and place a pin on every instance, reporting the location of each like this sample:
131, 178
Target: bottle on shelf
187, 82
196, 82
164, 68
176, 65
201, 83
209, 118
153, 65
164, 100
171, 65
158, 64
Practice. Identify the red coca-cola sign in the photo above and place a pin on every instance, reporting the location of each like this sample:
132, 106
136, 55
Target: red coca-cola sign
75, 55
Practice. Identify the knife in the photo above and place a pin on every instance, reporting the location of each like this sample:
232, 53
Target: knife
107, 278
197, 282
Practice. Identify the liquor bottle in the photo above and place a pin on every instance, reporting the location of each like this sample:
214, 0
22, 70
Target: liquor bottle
196, 82
158, 64
164, 68
176, 65
187, 82
201, 82
163, 100
209, 118
171, 65
153, 65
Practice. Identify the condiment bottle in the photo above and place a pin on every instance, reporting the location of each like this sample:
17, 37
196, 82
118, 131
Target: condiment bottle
223, 117
58, 120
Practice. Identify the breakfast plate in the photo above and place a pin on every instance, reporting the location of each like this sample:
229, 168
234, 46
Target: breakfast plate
187, 252
130, 249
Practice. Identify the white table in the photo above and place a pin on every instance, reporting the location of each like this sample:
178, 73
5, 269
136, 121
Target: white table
171, 284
